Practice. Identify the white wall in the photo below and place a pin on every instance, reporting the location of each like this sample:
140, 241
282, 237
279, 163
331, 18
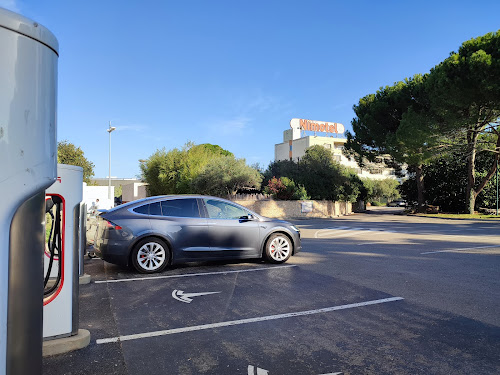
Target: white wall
92, 193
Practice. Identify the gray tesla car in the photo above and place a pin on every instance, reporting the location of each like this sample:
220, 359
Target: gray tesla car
153, 232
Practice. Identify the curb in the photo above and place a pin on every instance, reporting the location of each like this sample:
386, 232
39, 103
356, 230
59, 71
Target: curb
84, 279
66, 344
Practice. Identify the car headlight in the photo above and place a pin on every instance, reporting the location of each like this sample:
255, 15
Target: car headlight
294, 228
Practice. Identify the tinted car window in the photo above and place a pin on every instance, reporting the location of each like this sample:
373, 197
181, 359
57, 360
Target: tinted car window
142, 209
155, 209
180, 207
221, 210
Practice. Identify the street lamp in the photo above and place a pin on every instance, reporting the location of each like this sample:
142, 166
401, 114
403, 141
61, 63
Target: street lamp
109, 130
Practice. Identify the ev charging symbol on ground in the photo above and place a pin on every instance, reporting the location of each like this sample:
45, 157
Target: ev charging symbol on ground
180, 295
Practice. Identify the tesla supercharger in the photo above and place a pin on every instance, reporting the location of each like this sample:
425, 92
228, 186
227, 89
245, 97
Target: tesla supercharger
61, 265
28, 159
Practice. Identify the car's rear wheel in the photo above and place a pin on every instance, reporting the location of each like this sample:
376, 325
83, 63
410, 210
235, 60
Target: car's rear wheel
150, 255
278, 248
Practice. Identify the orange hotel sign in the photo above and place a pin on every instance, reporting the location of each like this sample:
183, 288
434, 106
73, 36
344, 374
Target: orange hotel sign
317, 126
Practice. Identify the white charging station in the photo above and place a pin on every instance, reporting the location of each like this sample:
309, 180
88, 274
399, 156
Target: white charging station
60, 310
28, 159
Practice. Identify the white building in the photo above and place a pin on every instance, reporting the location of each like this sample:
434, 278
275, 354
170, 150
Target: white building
296, 141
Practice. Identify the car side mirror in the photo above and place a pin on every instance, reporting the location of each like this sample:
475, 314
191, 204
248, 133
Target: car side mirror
247, 218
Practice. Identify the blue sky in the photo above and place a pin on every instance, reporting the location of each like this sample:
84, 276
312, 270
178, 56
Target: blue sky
233, 73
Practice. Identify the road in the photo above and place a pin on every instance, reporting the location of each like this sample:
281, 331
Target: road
373, 293
452, 265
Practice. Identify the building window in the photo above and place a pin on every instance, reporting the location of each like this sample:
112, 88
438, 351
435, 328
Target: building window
327, 145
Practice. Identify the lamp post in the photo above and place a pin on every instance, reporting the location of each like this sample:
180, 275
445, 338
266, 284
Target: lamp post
109, 130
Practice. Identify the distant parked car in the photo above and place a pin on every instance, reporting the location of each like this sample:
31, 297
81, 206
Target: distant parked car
153, 232
397, 203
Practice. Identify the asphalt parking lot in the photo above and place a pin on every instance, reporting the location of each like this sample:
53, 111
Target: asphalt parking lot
371, 293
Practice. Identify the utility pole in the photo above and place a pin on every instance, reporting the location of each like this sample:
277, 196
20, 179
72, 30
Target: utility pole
109, 130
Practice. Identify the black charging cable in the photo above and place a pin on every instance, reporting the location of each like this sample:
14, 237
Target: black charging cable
54, 243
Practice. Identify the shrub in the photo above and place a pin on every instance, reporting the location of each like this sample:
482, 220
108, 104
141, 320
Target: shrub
285, 189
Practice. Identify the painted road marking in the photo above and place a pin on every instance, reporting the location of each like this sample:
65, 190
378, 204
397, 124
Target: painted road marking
194, 274
260, 371
348, 231
462, 249
329, 229
179, 295
256, 371
339, 232
243, 321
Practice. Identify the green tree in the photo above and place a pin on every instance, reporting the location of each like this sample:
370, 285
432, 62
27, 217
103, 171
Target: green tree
378, 190
283, 168
285, 189
445, 186
224, 176
161, 171
320, 175
466, 93
214, 149
397, 121
118, 191
172, 172
352, 187
68, 153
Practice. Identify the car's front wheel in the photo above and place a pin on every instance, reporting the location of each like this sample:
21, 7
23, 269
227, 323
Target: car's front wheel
278, 248
150, 255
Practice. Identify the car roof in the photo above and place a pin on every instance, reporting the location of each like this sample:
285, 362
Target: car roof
138, 202
155, 198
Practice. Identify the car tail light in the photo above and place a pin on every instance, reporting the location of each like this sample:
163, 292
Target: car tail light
111, 225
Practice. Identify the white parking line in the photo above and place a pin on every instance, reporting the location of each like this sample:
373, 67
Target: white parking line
342, 232
244, 321
328, 230
462, 249
192, 274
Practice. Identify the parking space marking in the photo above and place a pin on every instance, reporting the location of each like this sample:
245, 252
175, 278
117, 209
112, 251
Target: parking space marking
329, 229
256, 371
243, 321
192, 274
460, 249
252, 370
339, 233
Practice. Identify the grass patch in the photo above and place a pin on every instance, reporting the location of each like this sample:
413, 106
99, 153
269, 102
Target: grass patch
462, 216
